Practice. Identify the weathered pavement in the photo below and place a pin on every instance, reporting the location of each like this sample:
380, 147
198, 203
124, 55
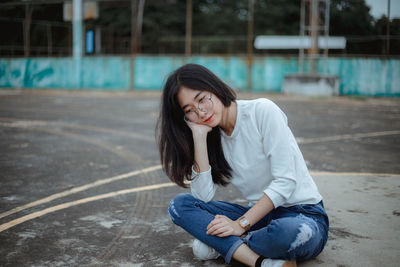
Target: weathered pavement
94, 154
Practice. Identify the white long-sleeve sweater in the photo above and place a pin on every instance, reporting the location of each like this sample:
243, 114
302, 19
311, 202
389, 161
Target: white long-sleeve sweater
264, 157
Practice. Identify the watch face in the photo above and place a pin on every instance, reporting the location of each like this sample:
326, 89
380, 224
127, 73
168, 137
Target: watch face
244, 222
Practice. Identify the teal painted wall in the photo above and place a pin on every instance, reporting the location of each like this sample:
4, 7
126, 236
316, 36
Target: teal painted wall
358, 76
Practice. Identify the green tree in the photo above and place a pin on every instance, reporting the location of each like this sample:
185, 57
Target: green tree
352, 19
394, 32
277, 17
215, 24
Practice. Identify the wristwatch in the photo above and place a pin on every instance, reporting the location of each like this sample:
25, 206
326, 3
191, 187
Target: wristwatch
244, 223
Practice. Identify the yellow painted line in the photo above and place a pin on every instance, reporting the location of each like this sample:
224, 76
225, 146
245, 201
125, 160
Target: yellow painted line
302, 141
66, 205
79, 189
317, 173
18, 123
127, 155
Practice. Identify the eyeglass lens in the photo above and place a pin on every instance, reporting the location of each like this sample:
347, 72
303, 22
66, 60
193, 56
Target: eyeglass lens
204, 105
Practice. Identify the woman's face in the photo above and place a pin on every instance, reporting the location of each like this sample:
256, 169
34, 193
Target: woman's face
201, 107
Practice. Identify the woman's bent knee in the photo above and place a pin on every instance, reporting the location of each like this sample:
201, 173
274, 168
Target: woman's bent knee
287, 238
176, 206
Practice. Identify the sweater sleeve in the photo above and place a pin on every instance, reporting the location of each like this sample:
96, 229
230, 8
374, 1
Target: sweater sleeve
277, 142
202, 185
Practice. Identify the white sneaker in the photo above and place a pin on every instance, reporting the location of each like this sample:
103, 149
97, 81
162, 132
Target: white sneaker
272, 263
204, 252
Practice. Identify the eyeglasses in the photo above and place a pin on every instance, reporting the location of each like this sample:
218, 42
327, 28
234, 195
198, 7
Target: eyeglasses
205, 104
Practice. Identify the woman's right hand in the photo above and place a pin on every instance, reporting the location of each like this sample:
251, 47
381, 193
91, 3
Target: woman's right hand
199, 133
198, 130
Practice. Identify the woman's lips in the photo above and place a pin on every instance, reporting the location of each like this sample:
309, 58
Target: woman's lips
209, 119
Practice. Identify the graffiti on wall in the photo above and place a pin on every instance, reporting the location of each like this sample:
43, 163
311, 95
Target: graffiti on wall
358, 76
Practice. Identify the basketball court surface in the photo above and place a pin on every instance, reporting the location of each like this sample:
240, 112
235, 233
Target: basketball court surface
81, 183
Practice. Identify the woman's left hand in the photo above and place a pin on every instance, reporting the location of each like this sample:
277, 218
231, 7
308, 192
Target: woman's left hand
222, 226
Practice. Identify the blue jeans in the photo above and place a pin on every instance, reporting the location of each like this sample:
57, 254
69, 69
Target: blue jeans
297, 233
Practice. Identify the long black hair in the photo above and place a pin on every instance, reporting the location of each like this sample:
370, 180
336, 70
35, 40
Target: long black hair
175, 141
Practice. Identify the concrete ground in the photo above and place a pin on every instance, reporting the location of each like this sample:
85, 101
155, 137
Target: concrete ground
81, 183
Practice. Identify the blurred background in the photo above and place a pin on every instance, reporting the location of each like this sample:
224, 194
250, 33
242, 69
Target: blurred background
124, 44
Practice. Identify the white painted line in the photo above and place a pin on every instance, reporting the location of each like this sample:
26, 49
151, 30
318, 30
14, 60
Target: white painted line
302, 141
79, 189
34, 215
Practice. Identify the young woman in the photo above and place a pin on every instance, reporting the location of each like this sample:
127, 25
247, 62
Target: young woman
208, 137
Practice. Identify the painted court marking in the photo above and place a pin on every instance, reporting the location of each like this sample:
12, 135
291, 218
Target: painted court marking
66, 205
302, 141
79, 189
318, 173
12, 122
18, 123
22, 124
34, 215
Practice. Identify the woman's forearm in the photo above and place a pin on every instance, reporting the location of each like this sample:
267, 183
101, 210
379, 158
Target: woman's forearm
223, 226
263, 206
200, 153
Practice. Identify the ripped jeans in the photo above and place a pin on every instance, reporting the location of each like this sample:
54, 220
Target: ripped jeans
297, 233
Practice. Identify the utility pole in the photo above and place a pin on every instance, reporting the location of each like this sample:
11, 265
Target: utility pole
77, 39
137, 9
139, 26
314, 34
250, 34
49, 40
326, 33
188, 38
302, 31
27, 29
133, 25
388, 30
133, 44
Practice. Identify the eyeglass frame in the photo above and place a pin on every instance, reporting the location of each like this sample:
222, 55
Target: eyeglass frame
198, 109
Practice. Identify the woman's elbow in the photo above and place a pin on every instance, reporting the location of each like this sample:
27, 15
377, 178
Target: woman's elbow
291, 187
204, 196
